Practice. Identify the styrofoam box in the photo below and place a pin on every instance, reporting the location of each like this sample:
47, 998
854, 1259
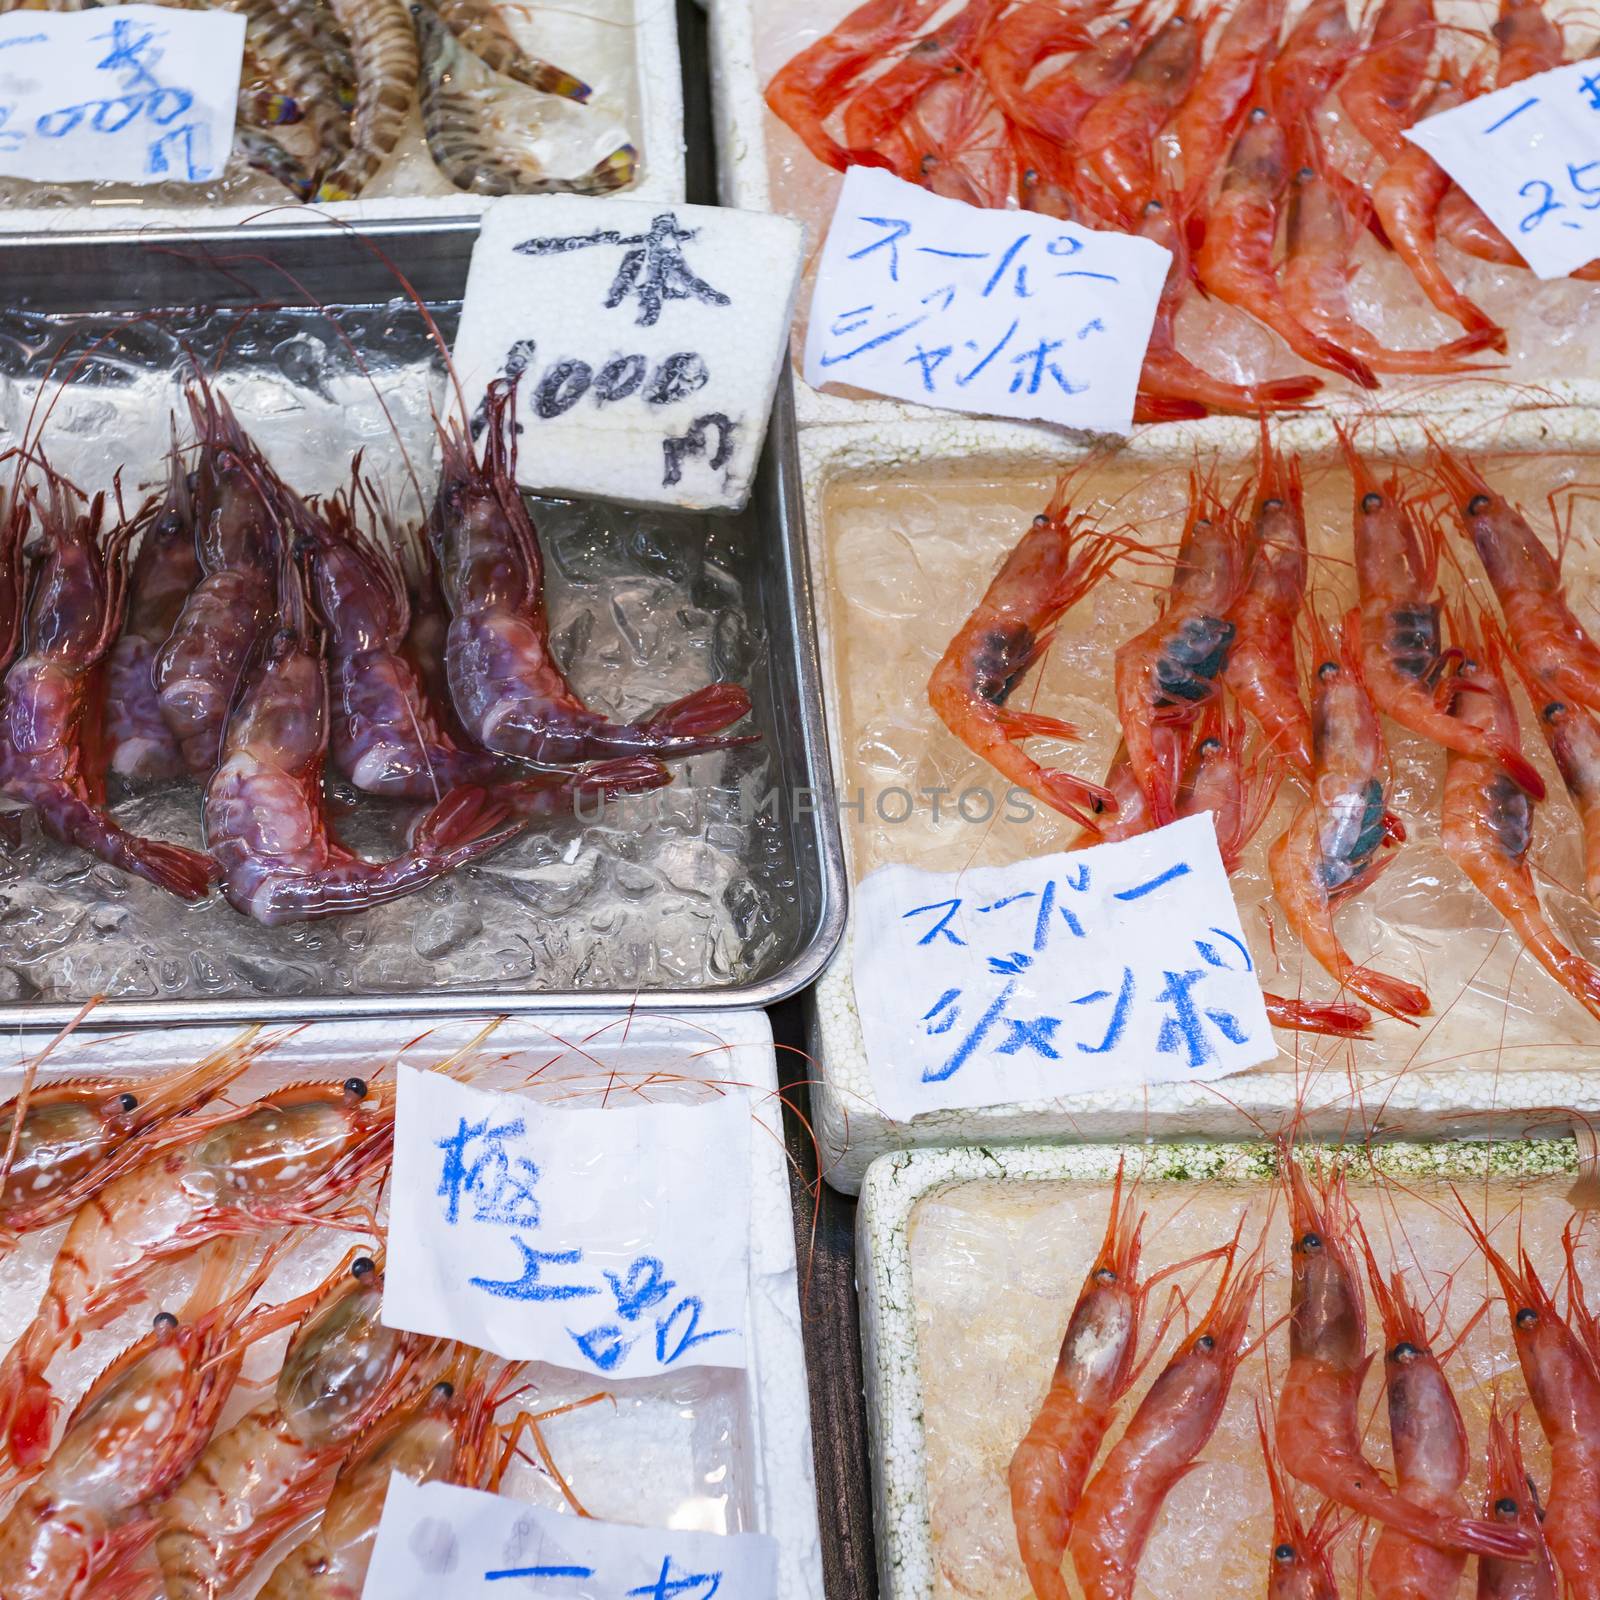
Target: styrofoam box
720, 1450
627, 49
896, 1412
1432, 1099
751, 39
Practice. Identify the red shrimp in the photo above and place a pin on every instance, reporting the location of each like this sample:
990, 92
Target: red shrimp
1261, 668
1043, 184
1056, 106
1529, 42
1312, 59
1173, 1423
387, 735
1334, 847
811, 85
1235, 261
1509, 1497
287, 1158
1165, 674
51, 755
1402, 661
1406, 200
236, 515
1316, 286
954, 144
1430, 1445
265, 820
1092, 1373
508, 690
164, 571
1564, 1386
1301, 1567
1117, 135
1054, 565
1023, 37
1551, 643
1382, 86
1486, 822
1319, 1428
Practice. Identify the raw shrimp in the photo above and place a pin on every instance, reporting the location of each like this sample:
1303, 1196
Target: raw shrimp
1333, 849
1402, 661
1261, 668
1312, 59
385, 49
456, 127
1301, 1567
1235, 261
387, 736
954, 144
1023, 37
508, 690
1509, 1497
262, 152
1117, 136
1406, 199
1486, 825
1550, 642
1564, 1387
1382, 86
1173, 1424
1316, 286
50, 753
286, 1158
1529, 42
342, 1370
265, 820
1093, 1371
481, 28
1165, 674
1054, 565
1056, 106
165, 569
1319, 1427
1430, 1445
290, 54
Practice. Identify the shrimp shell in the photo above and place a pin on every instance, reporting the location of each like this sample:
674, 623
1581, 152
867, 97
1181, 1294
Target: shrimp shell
290, 54
482, 30
262, 152
385, 48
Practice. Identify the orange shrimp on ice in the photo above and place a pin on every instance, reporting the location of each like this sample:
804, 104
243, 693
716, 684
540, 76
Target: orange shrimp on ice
1056, 563
1301, 1565
1334, 847
1509, 1497
1310, 61
1382, 86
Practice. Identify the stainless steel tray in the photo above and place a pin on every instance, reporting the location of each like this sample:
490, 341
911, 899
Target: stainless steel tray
687, 910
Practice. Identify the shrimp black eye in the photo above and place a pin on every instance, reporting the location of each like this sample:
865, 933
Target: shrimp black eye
356, 1087
1306, 174
444, 1390
1274, 504
363, 1267
1153, 208
164, 1322
1328, 669
1527, 1317
1311, 1241
1553, 710
1205, 1342
1104, 1275
128, 1102
929, 162
1208, 747
1477, 505
1404, 1352
1041, 521
1202, 522
1030, 176
1283, 1554
1371, 500
1506, 1506
1258, 113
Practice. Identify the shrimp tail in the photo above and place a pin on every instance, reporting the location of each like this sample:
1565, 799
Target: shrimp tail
464, 825
1400, 999
31, 1418
1034, 725
706, 711
1281, 393
1336, 1019
1520, 769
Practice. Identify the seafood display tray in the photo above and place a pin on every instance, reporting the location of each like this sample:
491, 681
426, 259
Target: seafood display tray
641, 80
718, 1449
909, 1560
732, 894
1466, 1089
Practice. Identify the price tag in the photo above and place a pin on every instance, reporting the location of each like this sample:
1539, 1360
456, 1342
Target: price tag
139, 94
437, 1540
1120, 964
1006, 313
610, 1241
1530, 156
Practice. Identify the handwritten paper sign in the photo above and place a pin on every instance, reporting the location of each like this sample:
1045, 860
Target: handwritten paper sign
646, 343
1002, 312
1121, 964
139, 94
1530, 156
436, 1539
610, 1241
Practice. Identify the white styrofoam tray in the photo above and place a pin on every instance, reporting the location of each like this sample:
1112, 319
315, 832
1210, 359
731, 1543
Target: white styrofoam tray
722, 1450
851, 1131
749, 138
639, 82
890, 1357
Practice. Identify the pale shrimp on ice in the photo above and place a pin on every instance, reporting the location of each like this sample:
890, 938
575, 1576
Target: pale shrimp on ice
482, 29
507, 688
290, 1156
1319, 1424
1301, 1564
266, 822
1165, 674
1334, 846
1486, 823
164, 570
1382, 85
342, 1370
1056, 563
1403, 661
385, 49
50, 754
1509, 1496
1172, 1425
1564, 1386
